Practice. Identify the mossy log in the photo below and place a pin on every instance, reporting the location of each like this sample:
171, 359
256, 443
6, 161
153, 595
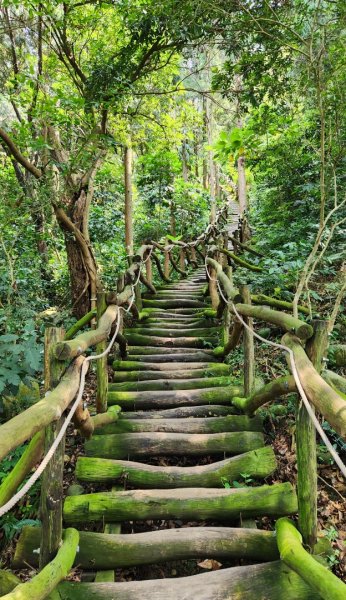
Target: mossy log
268, 581
133, 368
45, 582
8, 581
257, 464
181, 357
147, 284
276, 303
170, 384
337, 354
173, 304
160, 270
70, 333
286, 322
67, 350
168, 342
158, 350
241, 261
24, 425
30, 457
196, 425
335, 381
209, 410
231, 292
134, 376
246, 247
325, 584
171, 332
125, 445
111, 551
189, 294
325, 399
272, 390
173, 398
232, 342
177, 324
182, 503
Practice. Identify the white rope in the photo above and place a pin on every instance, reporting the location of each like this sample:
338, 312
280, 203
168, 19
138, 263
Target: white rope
26, 487
295, 373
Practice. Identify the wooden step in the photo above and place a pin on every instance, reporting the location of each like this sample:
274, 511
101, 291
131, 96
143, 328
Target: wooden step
196, 425
210, 332
267, 581
111, 551
182, 503
210, 410
170, 384
157, 350
126, 445
257, 464
173, 398
199, 356
174, 303
138, 339
209, 368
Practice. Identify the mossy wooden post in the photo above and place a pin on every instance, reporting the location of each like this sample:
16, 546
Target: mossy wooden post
249, 348
52, 478
306, 446
101, 364
227, 313
182, 259
166, 267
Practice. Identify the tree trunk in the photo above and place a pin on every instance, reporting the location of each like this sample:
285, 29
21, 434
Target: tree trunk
128, 200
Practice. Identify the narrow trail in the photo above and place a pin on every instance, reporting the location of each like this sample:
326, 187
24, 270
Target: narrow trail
176, 409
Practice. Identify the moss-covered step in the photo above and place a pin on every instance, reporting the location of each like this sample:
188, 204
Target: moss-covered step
269, 581
175, 313
257, 464
171, 332
168, 356
173, 398
167, 342
170, 384
206, 410
147, 350
174, 304
178, 323
182, 503
196, 425
126, 445
111, 551
210, 368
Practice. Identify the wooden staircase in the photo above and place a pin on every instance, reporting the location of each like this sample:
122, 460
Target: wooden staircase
177, 443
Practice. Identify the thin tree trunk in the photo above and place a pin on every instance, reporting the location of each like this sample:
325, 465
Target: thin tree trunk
128, 201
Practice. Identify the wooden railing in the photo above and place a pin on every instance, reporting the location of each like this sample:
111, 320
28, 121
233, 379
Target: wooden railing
64, 357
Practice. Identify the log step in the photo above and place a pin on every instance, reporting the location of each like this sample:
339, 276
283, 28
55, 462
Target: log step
178, 333
111, 551
126, 445
182, 503
196, 425
210, 410
157, 350
210, 368
139, 339
257, 464
174, 303
179, 357
170, 384
267, 581
173, 398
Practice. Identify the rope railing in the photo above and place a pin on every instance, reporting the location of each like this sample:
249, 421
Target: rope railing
70, 349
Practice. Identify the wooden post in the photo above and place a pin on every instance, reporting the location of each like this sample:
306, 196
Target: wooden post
166, 262
249, 348
227, 313
101, 364
182, 259
306, 446
52, 478
193, 254
149, 270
